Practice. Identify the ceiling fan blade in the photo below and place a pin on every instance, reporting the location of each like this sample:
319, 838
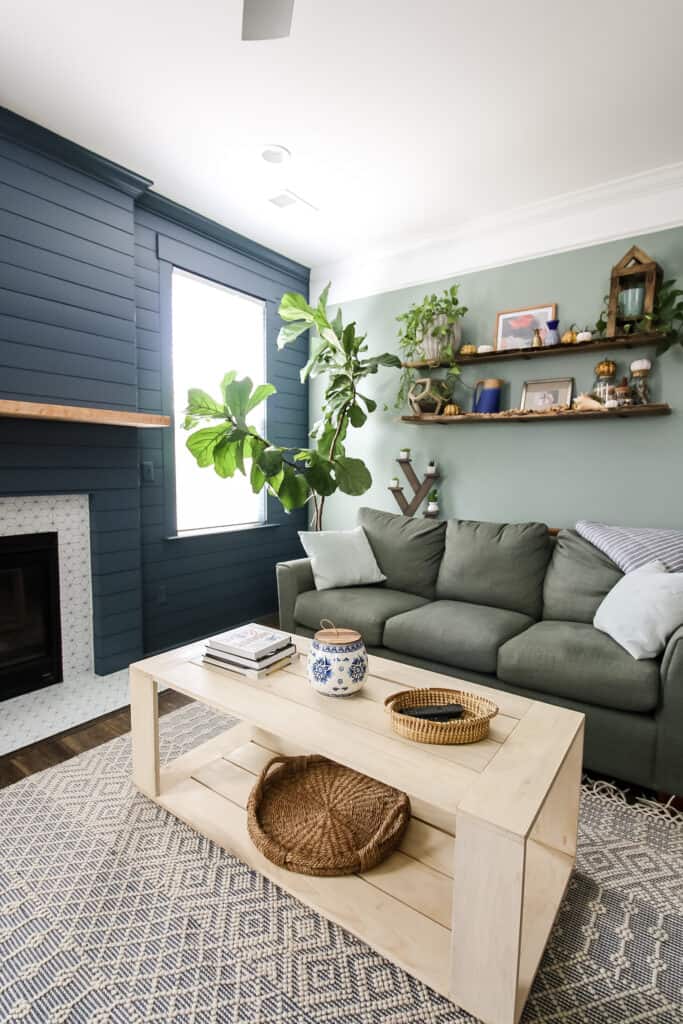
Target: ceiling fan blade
266, 19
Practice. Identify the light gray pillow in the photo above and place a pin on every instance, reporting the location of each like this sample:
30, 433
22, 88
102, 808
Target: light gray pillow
341, 558
642, 611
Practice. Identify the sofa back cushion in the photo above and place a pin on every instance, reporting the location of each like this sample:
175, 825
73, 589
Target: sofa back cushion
497, 564
408, 551
578, 578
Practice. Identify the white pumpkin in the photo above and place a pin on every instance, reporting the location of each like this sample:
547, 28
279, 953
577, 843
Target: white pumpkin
584, 336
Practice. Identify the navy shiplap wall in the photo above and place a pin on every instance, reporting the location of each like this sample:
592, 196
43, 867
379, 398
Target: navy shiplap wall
195, 586
67, 335
80, 302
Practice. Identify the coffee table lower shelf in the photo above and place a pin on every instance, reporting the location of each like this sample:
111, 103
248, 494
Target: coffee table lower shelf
402, 908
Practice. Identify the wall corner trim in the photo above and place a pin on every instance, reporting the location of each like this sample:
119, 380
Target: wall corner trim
16, 128
153, 202
638, 204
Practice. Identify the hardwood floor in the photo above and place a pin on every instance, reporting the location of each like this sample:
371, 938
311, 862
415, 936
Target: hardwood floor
49, 752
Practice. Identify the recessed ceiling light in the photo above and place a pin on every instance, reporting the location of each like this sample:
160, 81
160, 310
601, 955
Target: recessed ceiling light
276, 154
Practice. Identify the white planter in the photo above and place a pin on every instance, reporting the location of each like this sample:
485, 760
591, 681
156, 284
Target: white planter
433, 506
432, 347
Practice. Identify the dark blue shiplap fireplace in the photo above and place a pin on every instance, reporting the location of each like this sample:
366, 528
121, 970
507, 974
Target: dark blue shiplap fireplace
83, 250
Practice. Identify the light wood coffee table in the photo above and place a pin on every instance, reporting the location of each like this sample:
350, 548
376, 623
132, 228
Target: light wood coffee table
468, 902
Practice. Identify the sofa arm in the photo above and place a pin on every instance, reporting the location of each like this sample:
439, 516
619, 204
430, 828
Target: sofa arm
669, 768
293, 578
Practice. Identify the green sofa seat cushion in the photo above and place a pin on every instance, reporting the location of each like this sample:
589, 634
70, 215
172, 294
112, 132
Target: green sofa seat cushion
408, 550
363, 608
497, 564
578, 578
573, 660
454, 632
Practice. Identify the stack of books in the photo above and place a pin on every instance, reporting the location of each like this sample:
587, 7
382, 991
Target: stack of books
252, 650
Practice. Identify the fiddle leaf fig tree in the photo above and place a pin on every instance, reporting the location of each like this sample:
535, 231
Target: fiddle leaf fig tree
293, 475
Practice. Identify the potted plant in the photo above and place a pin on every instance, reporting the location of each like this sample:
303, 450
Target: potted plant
225, 440
433, 501
431, 331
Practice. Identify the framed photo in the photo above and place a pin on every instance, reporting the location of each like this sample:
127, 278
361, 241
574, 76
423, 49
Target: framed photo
541, 395
515, 327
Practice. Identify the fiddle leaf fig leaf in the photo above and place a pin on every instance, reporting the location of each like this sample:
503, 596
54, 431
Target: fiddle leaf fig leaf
290, 332
319, 475
237, 398
203, 442
270, 461
357, 416
294, 307
293, 491
225, 458
260, 394
353, 476
199, 403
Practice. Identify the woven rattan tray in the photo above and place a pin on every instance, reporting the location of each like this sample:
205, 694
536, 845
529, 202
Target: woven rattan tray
473, 726
311, 815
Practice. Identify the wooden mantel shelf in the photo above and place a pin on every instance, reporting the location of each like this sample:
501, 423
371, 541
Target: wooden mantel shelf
633, 411
80, 414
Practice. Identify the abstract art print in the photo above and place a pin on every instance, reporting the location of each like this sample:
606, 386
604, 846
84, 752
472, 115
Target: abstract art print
515, 327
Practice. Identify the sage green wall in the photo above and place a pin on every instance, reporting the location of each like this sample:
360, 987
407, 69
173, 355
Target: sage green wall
626, 472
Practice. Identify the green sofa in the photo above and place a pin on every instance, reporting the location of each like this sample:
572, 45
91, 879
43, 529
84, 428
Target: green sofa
512, 607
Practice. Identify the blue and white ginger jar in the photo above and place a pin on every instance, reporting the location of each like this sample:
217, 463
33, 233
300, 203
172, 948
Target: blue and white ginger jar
337, 662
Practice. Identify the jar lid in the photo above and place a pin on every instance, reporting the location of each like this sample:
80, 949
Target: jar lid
329, 634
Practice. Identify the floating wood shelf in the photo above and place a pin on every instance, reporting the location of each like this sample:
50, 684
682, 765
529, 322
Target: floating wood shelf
628, 412
80, 414
599, 345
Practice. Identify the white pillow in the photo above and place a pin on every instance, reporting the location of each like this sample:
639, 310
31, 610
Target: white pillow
643, 609
341, 558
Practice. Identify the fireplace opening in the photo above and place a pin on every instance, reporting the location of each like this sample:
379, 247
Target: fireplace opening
30, 630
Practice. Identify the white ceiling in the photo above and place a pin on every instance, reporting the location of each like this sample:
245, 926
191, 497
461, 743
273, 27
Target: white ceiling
407, 120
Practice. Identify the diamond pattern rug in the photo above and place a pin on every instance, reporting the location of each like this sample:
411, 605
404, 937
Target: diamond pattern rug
113, 912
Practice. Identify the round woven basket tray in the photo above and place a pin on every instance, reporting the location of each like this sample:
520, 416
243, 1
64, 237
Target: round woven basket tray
472, 726
311, 815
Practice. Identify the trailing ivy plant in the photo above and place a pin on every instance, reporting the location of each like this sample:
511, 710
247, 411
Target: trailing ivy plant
293, 475
667, 316
421, 319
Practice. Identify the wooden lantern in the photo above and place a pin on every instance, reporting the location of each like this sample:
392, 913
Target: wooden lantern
633, 269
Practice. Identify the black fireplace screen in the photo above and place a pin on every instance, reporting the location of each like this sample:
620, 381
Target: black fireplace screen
30, 633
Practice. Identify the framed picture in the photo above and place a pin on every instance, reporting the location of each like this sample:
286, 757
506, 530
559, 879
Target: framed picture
541, 395
515, 327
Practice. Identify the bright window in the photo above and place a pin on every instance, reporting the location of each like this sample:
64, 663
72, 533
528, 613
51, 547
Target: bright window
215, 330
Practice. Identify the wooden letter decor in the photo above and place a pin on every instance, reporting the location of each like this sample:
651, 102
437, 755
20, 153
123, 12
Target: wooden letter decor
420, 490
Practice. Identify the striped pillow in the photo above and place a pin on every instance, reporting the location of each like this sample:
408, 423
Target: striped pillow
631, 547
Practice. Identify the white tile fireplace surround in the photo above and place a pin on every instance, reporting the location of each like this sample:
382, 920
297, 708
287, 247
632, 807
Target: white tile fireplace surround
83, 695
67, 515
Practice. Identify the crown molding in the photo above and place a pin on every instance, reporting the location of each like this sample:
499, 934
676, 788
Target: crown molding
168, 209
635, 205
33, 136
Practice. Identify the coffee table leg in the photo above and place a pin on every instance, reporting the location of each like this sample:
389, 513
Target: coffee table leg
144, 716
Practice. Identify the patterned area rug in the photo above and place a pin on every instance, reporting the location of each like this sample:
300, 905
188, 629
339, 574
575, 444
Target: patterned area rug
113, 912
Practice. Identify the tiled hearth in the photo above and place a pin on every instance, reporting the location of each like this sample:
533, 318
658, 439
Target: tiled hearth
83, 695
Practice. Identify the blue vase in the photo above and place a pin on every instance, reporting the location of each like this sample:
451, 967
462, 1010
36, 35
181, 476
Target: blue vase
552, 336
487, 395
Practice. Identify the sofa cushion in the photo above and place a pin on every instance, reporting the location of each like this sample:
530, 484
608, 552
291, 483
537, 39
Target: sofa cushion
500, 565
578, 578
574, 660
454, 632
363, 608
408, 551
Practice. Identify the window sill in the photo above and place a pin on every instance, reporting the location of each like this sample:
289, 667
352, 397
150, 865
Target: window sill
219, 530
